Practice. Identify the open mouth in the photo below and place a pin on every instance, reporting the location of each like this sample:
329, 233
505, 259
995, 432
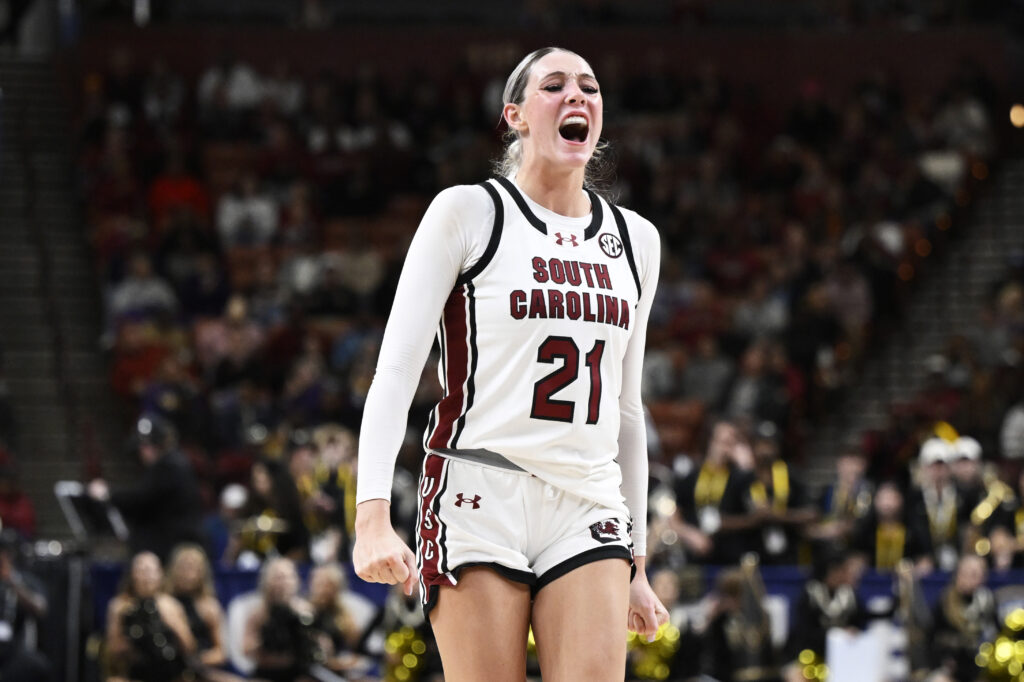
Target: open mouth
574, 129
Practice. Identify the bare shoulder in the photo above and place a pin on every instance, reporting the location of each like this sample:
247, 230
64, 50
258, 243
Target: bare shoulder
118, 605
209, 607
168, 604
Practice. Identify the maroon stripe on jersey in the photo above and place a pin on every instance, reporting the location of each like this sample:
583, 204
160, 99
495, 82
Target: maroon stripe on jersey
457, 371
429, 531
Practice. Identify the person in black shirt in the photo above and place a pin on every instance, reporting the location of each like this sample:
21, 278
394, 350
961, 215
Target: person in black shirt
779, 494
737, 645
22, 600
189, 580
713, 515
964, 617
163, 508
829, 600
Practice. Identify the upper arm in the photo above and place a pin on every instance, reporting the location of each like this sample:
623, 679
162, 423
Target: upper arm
114, 610
251, 636
212, 614
451, 238
446, 244
173, 614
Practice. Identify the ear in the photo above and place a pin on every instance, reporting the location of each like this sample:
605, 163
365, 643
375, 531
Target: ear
513, 115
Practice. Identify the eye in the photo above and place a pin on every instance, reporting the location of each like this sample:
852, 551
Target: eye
589, 89
554, 87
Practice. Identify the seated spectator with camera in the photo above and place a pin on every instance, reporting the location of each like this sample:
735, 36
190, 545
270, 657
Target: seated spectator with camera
148, 637
190, 581
278, 634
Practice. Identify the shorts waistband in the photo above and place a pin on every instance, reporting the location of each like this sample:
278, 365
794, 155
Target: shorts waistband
480, 456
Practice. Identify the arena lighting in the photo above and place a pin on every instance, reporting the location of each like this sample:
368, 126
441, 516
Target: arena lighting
1017, 115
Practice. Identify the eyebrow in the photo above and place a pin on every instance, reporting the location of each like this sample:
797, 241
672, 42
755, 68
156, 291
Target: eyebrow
563, 74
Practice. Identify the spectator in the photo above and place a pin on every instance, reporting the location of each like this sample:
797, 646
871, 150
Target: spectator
1011, 433
846, 501
163, 508
713, 515
780, 496
708, 373
274, 524
934, 503
22, 602
885, 537
964, 617
16, 509
737, 608
190, 581
143, 294
176, 188
246, 216
277, 633
828, 600
148, 636
219, 526
337, 632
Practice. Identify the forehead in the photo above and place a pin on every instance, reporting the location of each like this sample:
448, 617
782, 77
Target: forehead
558, 61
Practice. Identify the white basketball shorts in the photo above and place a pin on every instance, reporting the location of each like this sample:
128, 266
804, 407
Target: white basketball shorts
474, 514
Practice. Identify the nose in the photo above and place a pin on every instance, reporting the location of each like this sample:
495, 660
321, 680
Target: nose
573, 93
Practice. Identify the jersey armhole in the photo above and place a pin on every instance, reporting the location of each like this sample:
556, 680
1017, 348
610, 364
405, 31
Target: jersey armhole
492, 243
627, 245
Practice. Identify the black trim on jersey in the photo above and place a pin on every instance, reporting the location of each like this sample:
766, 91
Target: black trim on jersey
435, 413
595, 224
513, 574
596, 212
627, 245
492, 243
460, 423
442, 487
582, 559
517, 196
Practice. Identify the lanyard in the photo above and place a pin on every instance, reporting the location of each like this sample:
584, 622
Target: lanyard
710, 488
890, 539
780, 488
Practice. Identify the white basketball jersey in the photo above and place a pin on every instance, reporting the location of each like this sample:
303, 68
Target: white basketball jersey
532, 341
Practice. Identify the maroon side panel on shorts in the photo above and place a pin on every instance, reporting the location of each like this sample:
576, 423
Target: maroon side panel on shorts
430, 533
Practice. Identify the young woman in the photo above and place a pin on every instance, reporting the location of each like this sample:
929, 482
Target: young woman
277, 634
148, 637
533, 492
190, 581
337, 632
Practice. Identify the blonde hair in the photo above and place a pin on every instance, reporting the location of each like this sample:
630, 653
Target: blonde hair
206, 583
598, 172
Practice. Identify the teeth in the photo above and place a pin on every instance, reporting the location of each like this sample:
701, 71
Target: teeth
575, 120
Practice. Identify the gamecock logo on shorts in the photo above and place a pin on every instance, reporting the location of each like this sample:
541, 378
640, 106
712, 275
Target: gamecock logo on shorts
610, 244
605, 531
461, 499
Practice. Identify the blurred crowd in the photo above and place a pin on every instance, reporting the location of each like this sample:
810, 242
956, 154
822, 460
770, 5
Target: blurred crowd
249, 227
551, 15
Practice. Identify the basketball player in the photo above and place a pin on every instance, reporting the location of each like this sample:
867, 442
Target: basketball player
533, 491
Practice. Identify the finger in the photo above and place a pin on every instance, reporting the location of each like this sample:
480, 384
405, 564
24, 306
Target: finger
410, 563
398, 568
650, 621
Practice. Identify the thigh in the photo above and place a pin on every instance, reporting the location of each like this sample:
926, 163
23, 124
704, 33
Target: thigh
579, 622
480, 625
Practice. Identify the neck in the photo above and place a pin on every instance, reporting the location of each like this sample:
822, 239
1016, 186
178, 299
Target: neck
556, 189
